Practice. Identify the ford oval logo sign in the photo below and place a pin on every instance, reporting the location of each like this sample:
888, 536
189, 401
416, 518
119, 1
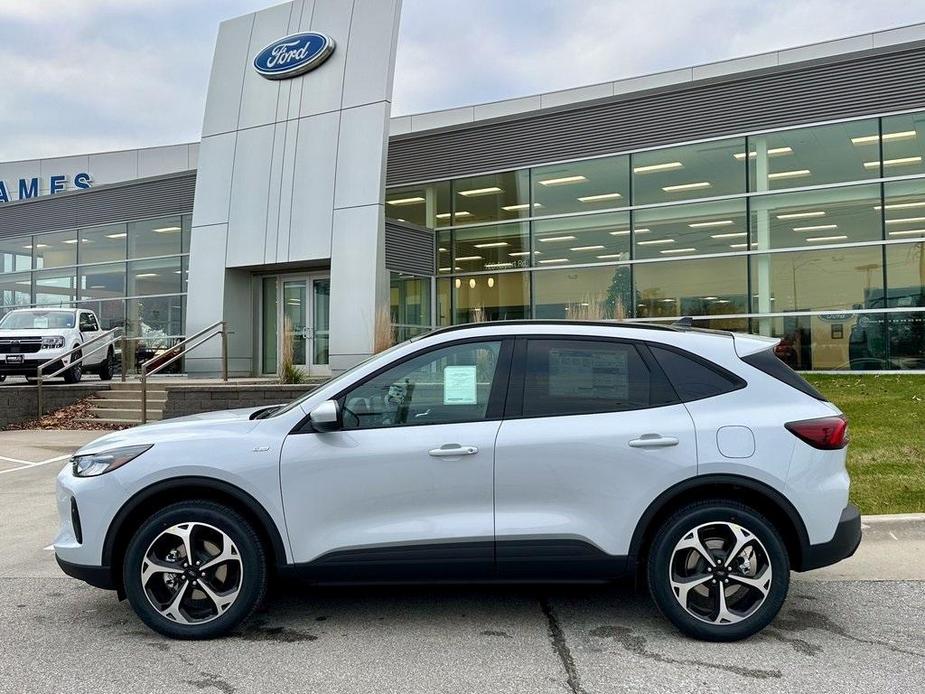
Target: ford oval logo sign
293, 55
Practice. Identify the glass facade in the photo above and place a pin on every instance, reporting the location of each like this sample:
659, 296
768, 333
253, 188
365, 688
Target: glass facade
813, 234
133, 275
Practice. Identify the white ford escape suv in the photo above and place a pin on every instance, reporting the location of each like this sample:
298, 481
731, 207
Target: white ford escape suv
502, 451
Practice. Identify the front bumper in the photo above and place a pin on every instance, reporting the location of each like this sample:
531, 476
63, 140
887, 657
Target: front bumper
29, 367
843, 544
97, 576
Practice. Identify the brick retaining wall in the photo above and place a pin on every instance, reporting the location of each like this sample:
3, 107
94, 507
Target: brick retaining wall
20, 403
184, 400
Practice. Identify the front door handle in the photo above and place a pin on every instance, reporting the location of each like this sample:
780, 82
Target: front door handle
653, 441
452, 450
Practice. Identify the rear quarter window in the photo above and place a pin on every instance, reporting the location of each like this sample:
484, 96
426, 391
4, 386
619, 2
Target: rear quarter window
692, 377
769, 363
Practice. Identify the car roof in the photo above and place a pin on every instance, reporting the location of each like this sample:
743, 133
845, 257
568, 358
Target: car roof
39, 309
682, 326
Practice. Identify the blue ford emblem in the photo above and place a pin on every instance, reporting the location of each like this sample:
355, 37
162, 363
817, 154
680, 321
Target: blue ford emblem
293, 55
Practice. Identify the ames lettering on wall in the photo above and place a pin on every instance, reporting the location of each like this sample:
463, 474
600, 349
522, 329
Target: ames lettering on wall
27, 188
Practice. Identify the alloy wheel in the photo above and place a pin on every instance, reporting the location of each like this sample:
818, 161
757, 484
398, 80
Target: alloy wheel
191, 573
720, 573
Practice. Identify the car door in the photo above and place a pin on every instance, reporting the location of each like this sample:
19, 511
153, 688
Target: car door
404, 488
89, 328
593, 433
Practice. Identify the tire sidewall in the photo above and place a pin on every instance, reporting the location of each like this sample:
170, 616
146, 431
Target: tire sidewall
74, 374
659, 567
254, 571
105, 370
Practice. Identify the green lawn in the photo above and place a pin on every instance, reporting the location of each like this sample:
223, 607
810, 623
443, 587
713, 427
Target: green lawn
886, 456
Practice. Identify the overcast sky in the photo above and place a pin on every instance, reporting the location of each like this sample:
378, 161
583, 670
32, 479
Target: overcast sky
92, 75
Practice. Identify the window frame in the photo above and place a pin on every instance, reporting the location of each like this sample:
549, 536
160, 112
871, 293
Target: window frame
517, 382
494, 411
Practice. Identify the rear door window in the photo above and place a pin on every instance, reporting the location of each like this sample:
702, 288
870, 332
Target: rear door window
571, 377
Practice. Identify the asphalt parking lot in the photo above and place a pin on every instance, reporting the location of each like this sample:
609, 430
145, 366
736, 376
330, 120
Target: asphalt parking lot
859, 626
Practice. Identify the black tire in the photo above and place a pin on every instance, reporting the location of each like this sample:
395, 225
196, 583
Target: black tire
252, 580
769, 552
75, 373
105, 369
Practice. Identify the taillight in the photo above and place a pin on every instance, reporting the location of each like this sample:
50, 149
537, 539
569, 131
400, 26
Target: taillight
825, 433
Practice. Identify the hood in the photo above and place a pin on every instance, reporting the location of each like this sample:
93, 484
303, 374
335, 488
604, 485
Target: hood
191, 427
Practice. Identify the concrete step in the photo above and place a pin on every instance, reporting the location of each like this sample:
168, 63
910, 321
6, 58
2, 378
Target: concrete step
126, 411
120, 421
111, 396
118, 386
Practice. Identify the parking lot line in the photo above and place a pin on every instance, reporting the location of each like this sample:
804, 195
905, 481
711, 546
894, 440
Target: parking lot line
29, 466
17, 460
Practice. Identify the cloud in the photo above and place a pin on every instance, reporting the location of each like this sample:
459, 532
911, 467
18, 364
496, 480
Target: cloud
107, 74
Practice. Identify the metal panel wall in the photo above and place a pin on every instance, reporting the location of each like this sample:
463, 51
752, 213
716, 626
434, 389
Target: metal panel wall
116, 203
779, 97
409, 248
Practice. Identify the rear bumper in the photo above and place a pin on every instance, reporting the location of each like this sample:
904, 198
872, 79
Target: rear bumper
97, 576
842, 545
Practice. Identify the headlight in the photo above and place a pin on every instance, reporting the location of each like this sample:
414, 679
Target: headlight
94, 464
53, 342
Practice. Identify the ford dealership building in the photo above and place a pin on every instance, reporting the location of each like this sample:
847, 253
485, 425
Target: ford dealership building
781, 193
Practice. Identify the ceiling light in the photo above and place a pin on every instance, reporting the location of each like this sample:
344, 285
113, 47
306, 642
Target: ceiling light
686, 186
586, 248
796, 173
642, 231
442, 250
709, 298
521, 206
116, 236
598, 198
908, 232
678, 250
817, 227
705, 225
472, 283
772, 152
520, 253
905, 220
901, 161
70, 241
901, 205
801, 215
654, 242
667, 166
493, 244
498, 265
556, 238
610, 256
818, 239
166, 230
554, 260
475, 192
469, 257
405, 201
443, 269
41, 245
29, 247
565, 180
738, 245
145, 275
447, 215
732, 235
622, 232
887, 137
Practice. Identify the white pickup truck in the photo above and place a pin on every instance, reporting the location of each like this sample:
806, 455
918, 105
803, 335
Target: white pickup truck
32, 336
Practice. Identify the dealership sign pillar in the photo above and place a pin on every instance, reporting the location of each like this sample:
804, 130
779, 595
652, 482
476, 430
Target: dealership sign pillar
292, 170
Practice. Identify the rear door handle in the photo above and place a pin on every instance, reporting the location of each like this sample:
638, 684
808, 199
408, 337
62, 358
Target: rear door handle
653, 441
452, 450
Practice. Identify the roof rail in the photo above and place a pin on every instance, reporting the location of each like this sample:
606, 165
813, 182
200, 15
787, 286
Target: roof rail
551, 321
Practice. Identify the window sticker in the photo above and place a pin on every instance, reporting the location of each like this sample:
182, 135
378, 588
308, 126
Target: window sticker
602, 375
459, 385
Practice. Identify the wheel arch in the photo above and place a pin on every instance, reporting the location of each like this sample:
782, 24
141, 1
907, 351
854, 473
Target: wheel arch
760, 496
161, 494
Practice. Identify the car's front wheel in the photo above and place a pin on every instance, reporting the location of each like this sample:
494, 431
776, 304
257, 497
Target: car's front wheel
106, 367
74, 373
195, 570
718, 570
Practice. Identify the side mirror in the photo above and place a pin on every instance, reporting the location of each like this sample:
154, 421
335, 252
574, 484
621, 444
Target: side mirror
326, 416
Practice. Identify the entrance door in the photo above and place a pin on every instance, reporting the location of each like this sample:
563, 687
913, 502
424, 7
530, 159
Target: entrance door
303, 320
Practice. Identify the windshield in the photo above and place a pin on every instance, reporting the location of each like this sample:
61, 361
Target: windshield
37, 320
298, 401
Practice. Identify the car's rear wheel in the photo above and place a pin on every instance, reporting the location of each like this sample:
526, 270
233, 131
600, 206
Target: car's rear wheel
105, 369
195, 570
718, 570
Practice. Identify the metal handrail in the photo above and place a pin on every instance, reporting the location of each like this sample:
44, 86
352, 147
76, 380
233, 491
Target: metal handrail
218, 328
82, 346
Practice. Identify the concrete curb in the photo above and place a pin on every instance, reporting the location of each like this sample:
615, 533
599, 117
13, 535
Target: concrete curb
894, 518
